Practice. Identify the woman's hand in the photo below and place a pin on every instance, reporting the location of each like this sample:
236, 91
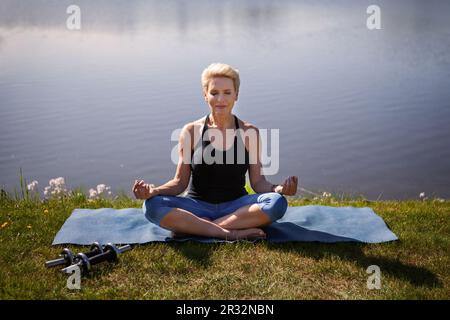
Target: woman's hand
289, 187
143, 190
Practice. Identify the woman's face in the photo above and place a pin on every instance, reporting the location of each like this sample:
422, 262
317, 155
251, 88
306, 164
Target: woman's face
221, 95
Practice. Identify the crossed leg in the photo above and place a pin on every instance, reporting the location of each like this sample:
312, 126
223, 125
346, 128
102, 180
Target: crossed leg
241, 224
248, 216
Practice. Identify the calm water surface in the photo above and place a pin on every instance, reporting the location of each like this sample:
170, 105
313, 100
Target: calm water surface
359, 111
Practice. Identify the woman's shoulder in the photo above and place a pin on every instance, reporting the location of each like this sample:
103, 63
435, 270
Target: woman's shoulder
196, 124
245, 125
192, 130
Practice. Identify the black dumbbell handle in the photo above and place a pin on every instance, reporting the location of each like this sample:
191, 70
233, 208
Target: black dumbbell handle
63, 260
66, 259
55, 262
92, 253
124, 248
108, 255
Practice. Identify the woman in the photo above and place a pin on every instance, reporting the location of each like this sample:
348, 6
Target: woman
217, 204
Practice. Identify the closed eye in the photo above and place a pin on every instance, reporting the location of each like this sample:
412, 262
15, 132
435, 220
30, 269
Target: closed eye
215, 93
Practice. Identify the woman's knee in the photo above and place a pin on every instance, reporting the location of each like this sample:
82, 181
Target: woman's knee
274, 205
154, 210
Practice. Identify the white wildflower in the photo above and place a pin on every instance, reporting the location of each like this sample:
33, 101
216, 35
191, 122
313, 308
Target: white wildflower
101, 188
92, 194
57, 187
422, 195
326, 195
32, 186
57, 182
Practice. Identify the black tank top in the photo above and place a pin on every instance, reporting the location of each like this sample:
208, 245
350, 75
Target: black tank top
222, 179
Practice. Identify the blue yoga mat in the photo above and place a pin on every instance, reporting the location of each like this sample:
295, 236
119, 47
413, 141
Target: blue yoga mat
302, 223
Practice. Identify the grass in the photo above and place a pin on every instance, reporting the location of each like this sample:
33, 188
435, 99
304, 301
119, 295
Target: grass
415, 267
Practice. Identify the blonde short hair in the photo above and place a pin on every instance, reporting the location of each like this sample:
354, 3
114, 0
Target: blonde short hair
220, 70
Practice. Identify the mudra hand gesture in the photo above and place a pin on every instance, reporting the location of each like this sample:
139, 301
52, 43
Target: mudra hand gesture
289, 187
143, 190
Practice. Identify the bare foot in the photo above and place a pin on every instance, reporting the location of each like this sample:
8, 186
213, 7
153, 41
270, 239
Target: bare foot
247, 234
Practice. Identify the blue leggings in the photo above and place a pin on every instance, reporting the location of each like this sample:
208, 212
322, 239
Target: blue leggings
271, 203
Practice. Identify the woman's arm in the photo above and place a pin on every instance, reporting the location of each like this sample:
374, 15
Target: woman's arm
258, 181
182, 176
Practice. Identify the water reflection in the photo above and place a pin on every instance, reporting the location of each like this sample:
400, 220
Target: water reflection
357, 110
129, 16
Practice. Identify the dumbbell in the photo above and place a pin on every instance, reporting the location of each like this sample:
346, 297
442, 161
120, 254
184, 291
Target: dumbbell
110, 253
67, 257
95, 249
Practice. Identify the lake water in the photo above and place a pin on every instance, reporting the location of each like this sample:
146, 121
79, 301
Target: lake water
359, 111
